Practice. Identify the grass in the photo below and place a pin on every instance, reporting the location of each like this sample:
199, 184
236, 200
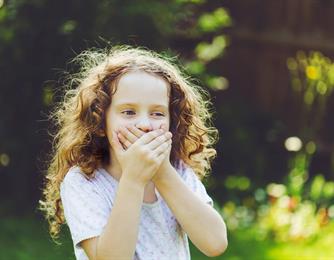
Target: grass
243, 245
27, 238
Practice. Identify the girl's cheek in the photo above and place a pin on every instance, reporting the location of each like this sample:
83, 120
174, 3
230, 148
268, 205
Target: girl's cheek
163, 125
121, 122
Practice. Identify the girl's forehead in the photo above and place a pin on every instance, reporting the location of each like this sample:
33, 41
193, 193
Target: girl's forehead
141, 85
141, 88
139, 77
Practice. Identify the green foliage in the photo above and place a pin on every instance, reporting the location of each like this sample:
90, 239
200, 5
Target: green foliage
209, 25
283, 212
211, 22
313, 75
300, 208
209, 51
26, 238
237, 182
312, 79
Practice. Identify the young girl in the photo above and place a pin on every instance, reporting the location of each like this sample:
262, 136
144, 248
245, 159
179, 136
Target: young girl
132, 144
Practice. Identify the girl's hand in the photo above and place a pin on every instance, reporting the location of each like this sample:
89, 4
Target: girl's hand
141, 160
130, 134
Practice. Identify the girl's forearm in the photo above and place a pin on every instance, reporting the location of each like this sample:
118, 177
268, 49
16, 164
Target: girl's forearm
118, 240
202, 223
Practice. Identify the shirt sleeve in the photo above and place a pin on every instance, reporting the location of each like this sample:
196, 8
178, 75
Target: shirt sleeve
85, 210
195, 184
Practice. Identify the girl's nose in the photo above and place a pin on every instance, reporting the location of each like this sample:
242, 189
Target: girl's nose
144, 124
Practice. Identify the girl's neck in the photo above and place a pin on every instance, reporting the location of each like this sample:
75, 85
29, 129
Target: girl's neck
113, 167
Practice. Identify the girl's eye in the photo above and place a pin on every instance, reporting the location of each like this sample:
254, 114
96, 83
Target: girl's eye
128, 112
158, 114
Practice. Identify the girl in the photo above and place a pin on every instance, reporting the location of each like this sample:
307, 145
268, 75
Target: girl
131, 146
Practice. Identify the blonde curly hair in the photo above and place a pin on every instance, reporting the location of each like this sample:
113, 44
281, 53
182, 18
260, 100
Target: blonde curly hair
80, 117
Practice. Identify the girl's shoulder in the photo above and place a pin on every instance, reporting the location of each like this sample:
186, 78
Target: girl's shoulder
193, 181
76, 176
185, 171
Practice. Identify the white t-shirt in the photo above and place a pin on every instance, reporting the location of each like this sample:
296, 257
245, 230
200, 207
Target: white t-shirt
88, 204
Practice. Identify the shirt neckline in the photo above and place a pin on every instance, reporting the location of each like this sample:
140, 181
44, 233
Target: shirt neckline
114, 180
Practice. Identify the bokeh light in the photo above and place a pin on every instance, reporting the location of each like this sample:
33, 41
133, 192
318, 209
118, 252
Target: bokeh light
4, 159
293, 144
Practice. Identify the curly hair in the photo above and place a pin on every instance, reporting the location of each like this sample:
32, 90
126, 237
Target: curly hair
79, 119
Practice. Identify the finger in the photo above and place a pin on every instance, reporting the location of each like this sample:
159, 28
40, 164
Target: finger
125, 142
135, 131
116, 143
128, 135
164, 154
148, 137
159, 140
162, 148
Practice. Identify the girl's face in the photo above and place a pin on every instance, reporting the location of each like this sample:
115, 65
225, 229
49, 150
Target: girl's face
141, 99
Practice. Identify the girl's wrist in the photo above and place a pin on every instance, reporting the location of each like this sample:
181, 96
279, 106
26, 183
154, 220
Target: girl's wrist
136, 184
162, 173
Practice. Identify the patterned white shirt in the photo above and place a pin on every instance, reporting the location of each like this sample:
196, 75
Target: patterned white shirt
88, 203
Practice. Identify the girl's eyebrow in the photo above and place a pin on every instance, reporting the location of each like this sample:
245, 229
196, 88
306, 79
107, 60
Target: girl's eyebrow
135, 104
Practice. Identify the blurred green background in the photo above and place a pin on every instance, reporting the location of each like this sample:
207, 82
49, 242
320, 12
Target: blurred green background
268, 67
